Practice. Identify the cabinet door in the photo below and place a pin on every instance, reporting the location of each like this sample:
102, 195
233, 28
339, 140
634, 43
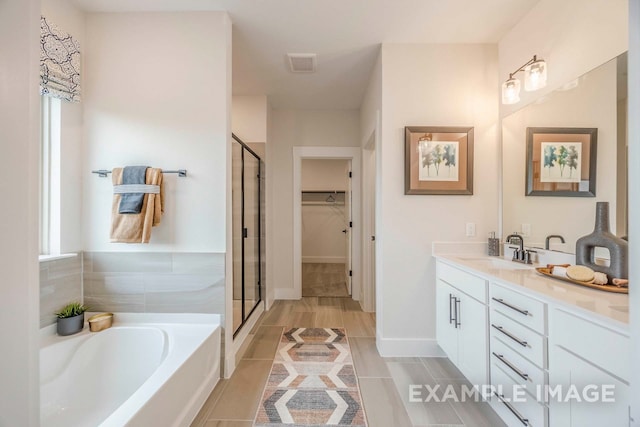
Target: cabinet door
568, 372
472, 340
446, 333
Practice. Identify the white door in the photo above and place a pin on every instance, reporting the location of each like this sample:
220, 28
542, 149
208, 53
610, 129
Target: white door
349, 228
472, 339
446, 331
566, 370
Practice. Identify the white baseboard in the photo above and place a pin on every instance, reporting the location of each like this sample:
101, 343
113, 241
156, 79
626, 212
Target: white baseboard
408, 347
324, 259
287, 293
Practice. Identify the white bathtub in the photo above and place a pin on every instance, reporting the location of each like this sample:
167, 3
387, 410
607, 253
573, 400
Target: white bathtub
146, 370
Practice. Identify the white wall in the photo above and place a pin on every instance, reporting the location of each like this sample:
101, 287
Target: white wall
156, 94
68, 18
322, 237
19, 148
430, 85
591, 104
634, 201
573, 36
249, 118
320, 128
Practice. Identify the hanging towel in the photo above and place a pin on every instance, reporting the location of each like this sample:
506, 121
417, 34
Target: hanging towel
131, 203
136, 228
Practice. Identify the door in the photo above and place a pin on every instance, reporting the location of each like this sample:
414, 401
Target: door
446, 331
472, 339
349, 229
567, 370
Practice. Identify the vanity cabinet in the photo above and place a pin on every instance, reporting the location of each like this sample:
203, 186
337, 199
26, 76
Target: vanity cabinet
518, 346
461, 325
590, 364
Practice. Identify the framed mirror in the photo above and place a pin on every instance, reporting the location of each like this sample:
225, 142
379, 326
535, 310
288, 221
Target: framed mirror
596, 100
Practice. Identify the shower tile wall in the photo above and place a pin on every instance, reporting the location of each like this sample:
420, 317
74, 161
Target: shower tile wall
60, 284
154, 282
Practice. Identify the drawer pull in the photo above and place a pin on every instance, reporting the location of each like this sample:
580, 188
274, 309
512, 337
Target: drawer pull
510, 335
457, 307
519, 310
451, 316
513, 410
510, 366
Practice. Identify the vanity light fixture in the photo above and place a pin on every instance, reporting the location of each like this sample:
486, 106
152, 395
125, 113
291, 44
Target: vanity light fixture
535, 77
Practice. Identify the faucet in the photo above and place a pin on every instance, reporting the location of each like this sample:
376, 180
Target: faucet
519, 253
552, 236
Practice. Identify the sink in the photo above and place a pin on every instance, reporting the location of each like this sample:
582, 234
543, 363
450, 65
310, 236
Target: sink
498, 263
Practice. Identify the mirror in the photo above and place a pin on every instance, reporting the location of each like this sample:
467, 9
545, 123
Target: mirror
598, 99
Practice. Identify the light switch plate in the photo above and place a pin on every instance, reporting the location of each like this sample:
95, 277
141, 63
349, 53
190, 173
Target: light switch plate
471, 229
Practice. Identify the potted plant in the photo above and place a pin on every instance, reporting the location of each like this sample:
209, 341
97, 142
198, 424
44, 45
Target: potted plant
71, 318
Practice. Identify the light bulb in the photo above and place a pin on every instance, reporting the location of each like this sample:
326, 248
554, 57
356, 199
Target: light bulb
535, 75
511, 91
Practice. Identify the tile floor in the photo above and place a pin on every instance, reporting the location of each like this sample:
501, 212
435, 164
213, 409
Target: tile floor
384, 382
324, 280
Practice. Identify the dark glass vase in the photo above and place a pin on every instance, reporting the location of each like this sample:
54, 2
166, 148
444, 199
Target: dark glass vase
602, 237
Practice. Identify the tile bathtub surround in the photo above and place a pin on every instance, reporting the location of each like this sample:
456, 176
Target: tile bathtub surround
158, 282
60, 284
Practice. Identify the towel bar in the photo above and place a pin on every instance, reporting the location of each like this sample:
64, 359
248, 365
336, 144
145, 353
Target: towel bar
102, 173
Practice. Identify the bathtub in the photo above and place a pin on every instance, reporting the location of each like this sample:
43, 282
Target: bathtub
147, 370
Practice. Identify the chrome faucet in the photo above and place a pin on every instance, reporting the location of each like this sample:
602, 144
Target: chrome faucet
520, 254
552, 236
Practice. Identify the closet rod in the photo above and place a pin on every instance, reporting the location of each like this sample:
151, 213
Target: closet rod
321, 192
102, 173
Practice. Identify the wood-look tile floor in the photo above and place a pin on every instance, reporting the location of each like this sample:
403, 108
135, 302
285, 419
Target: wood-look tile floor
384, 382
324, 280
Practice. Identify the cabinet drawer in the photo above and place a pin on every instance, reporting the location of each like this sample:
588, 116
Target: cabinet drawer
520, 370
523, 340
517, 410
471, 285
599, 345
523, 309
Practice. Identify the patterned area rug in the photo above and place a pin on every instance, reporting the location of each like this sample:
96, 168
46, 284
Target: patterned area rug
312, 382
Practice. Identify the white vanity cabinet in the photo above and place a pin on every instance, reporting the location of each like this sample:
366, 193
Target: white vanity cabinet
590, 364
518, 346
461, 325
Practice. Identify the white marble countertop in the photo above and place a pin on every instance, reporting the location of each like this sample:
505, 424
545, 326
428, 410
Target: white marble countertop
612, 308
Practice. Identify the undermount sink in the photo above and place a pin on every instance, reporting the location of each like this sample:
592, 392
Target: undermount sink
498, 263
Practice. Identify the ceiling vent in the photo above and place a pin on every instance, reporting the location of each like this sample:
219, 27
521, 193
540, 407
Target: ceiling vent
302, 62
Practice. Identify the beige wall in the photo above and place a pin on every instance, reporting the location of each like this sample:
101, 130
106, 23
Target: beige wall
142, 107
591, 104
249, 118
296, 128
19, 144
430, 85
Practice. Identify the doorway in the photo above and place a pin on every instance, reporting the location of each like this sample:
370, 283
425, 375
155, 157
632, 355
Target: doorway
350, 268
326, 227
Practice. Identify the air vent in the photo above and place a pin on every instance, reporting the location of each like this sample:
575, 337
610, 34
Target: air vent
302, 62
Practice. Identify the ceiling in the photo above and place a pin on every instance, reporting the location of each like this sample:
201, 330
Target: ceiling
346, 35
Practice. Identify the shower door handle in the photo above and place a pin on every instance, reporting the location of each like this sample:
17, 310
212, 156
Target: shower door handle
245, 232
344, 231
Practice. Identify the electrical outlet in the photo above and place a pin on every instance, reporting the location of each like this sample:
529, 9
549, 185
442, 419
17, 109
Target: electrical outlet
526, 230
471, 229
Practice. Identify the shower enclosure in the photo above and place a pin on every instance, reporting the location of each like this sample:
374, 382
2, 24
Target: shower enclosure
247, 232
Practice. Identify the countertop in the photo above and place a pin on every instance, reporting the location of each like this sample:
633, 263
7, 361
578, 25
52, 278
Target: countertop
610, 307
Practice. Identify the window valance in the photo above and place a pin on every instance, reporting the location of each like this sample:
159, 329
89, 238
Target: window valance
59, 63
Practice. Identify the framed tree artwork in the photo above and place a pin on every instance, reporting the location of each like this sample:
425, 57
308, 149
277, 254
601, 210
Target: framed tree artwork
438, 160
561, 162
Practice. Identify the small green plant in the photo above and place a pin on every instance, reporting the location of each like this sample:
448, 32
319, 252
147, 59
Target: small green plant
71, 310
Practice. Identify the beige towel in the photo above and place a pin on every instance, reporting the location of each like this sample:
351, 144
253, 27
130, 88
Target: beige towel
136, 228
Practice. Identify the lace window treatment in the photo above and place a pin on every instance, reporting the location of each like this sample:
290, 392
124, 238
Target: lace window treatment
59, 63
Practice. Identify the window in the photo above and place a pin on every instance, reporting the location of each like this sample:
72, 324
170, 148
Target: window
50, 176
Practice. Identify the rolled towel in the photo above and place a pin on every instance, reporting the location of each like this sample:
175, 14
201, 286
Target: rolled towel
559, 271
131, 203
600, 278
